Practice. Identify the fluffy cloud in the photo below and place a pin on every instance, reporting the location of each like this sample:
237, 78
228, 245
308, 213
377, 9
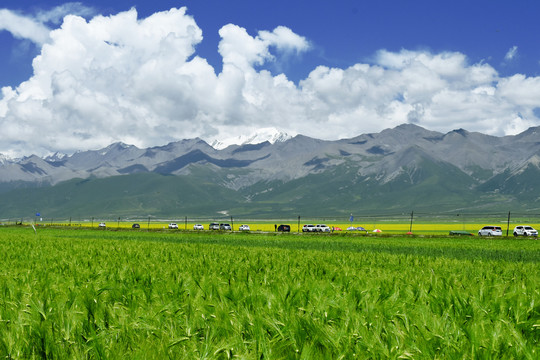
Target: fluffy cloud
56, 14
239, 49
22, 27
35, 28
140, 81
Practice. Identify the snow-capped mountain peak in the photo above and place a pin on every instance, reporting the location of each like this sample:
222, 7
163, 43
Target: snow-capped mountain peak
272, 135
5, 159
57, 156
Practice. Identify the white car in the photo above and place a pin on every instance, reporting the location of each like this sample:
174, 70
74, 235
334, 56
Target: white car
173, 226
198, 227
225, 226
525, 230
102, 225
309, 228
490, 231
213, 226
322, 228
244, 228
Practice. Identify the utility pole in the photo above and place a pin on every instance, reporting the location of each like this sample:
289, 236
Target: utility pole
508, 224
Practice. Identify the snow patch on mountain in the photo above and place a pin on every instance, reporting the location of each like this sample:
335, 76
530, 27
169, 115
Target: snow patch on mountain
270, 134
4, 159
57, 156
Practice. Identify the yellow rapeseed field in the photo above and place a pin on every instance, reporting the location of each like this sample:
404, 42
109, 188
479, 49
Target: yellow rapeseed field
390, 227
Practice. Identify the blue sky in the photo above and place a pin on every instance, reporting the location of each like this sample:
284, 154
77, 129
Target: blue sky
342, 33
323, 69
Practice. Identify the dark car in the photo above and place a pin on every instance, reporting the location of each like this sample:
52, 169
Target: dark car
136, 226
284, 228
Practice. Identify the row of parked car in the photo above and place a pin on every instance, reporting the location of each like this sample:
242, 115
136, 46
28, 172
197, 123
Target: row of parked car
489, 230
520, 230
316, 228
220, 226
213, 226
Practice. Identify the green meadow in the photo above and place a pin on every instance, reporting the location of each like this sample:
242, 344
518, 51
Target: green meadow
87, 294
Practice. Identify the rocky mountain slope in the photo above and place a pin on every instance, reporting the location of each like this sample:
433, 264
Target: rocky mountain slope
403, 167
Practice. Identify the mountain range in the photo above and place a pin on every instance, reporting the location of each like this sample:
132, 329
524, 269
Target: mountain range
397, 170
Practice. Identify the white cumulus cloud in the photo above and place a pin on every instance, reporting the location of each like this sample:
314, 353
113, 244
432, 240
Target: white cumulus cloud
140, 81
238, 48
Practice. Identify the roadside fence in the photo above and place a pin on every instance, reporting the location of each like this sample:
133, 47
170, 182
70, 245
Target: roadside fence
412, 222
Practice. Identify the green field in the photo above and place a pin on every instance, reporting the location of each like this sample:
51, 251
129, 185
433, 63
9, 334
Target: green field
83, 294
